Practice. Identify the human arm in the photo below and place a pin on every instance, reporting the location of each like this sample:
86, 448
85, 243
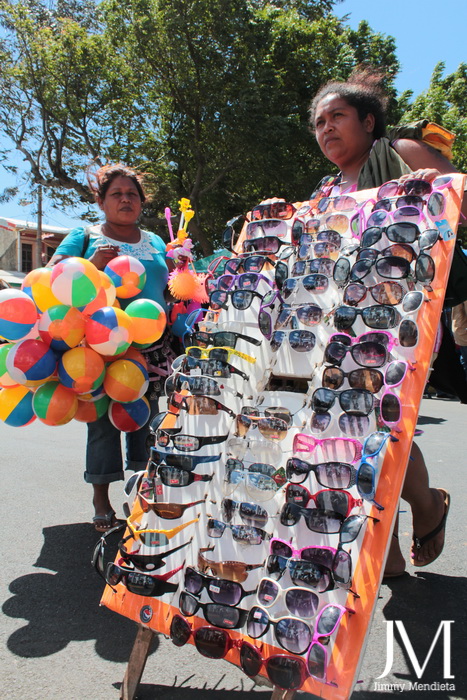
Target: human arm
426, 162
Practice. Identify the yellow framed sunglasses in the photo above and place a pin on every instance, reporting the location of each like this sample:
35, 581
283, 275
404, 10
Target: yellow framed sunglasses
217, 353
156, 538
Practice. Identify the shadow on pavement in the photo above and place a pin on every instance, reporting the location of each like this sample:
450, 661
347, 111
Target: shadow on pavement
62, 607
422, 601
430, 420
147, 691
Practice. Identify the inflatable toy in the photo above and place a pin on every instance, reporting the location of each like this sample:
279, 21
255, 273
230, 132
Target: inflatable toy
81, 369
125, 380
75, 281
109, 331
149, 321
129, 417
37, 285
16, 406
18, 314
89, 411
5, 379
62, 327
54, 404
128, 275
31, 362
106, 295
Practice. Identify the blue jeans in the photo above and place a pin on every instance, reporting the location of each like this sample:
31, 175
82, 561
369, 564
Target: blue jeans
104, 462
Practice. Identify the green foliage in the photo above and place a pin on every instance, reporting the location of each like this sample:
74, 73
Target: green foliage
208, 97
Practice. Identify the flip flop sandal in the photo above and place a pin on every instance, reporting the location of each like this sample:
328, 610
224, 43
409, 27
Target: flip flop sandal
108, 521
394, 574
418, 542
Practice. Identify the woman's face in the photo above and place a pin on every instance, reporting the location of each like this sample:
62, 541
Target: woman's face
122, 203
342, 137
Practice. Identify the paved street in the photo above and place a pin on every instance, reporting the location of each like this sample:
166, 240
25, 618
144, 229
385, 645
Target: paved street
57, 643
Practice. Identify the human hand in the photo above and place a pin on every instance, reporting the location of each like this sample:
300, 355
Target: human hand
428, 174
103, 255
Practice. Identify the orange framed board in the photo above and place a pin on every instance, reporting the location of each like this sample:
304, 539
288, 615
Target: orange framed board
368, 551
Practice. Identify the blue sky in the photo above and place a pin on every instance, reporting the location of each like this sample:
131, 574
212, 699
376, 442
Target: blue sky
425, 32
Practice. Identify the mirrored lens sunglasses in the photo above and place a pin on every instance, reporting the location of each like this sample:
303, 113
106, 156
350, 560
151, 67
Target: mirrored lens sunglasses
274, 210
267, 227
331, 475
232, 570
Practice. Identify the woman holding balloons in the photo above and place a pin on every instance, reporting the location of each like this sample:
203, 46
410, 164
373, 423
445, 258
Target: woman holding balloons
119, 194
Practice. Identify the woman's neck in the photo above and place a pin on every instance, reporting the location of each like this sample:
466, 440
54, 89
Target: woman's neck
351, 171
125, 233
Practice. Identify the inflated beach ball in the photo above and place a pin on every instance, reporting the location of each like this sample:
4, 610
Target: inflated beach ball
31, 362
5, 379
18, 314
16, 406
125, 380
105, 296
54, 404
89, 411
134, 354
81, 369
109, 331
75, 281
129, 417
93, 395
37, 285
128, 275
149, 321
62, 327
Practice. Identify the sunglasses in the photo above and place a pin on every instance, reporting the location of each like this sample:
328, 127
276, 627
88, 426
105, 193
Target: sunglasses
339, 449
283, 671
389, 266
211, 367
404, 214
293, 634
185, 462
266, 227
173, 477
340, 501
220, 354
275, 210
259, 485
270, 427
366, 378
139, 583
400, 232
298, 340
365, 354
316, 249
156, 538
331, 475
243, 281
337, 563
300, 602
221, 591
414, 186
326, 623
166, 511
197, 405
400, 250
198, 385
216, 614
324, 266
349, 425
261, 450
241, 299
250, 513
266, 244
390, 409
408, 334
357, 402
147, 562
241, 533
388, 292
315, 283
339, 203
187, 443
232, 570
380, 316
344, 223
251, 263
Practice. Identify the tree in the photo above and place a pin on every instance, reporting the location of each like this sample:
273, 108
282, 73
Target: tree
209, 97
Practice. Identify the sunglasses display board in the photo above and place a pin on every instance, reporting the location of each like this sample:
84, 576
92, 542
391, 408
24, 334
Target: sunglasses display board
259, 530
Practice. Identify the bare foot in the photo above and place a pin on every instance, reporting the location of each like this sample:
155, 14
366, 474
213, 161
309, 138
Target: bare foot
426, 522
395, 563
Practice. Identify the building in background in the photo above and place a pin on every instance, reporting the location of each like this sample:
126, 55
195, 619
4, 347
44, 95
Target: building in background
18, 247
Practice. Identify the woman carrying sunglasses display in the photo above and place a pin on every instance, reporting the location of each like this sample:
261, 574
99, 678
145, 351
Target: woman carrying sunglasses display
349, 124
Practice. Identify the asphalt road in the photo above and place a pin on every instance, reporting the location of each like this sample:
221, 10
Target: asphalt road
56, 642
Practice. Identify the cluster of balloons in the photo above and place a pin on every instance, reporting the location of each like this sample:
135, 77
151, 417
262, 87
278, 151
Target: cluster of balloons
71, 351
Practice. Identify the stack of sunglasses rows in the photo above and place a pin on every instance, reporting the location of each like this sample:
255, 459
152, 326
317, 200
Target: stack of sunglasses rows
278, 418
